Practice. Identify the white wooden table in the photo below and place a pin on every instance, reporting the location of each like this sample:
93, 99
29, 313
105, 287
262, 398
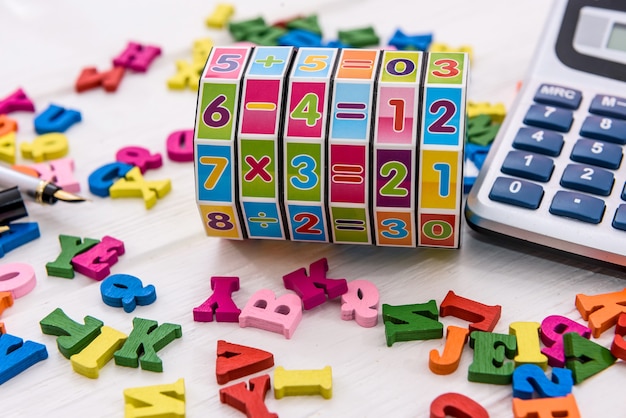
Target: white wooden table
44, 46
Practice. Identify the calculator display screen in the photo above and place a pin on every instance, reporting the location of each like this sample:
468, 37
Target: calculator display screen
592, 37
617, 37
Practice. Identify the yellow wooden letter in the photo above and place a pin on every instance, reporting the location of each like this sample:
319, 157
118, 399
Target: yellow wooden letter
46, 147
528, 347
303, 382
155, 401
98, 353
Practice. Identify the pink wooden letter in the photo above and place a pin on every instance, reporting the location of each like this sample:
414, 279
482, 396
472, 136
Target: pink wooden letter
360, 303
180, 146
552, 329
16, 101
17, 278
96, 261
137, 57
264, 311
139, 157
221, 302
59, 172
313, 289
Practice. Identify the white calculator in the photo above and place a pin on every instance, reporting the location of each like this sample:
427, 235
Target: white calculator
556, 174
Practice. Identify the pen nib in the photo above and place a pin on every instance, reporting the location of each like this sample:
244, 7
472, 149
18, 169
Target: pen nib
68, 197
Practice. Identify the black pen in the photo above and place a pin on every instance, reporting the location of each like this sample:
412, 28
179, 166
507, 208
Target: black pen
41, 191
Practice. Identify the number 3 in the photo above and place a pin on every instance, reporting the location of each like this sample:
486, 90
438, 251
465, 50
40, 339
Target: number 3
447, 68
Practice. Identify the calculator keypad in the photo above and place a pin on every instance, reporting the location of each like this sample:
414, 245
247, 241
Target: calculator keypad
611, 106
578, 206
607, 129
539, 140
597, 153
528, 165
586, 174
549, 117
587, 179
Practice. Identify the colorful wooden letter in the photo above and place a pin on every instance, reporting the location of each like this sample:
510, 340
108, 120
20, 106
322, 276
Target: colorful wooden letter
585, 358
235, 361
72, 337
482, 317
137, 57
601, 310
264, 311
17, 278
249, 401
490, 353
146, 338
303, 382
17, 355
98, 353
528, 346
45, 147
448, 362
179, 145
530, 378
134, 185
126, 291
220, 303
411, 322
156, 401
56, 119
97, 260
553, 328
456, 405
20, 233
59, 171
90, 78
70, 247
139, 157
546, 407
314, 288
360, 303
16, 101
101, 180
618, 346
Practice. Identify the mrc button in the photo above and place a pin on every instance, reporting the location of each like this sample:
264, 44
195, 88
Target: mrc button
552, 94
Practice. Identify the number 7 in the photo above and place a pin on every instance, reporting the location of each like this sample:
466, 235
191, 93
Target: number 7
220, 164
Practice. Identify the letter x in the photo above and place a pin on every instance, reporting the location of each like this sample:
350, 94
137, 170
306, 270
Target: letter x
257, 168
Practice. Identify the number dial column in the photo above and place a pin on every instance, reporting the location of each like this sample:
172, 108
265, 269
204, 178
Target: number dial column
215, 142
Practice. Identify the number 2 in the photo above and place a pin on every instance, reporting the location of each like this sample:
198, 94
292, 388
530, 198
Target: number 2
439, 125
307, 227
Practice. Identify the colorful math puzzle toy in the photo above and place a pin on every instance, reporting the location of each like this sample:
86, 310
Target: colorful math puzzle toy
353, 146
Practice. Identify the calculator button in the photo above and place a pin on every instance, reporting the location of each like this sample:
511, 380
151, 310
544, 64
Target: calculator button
558, 96
538, 140
608, 106
516, 192
619, 220
597, 153
587, 179
549, 117
578, 206
611, 130
623, 195
528, 165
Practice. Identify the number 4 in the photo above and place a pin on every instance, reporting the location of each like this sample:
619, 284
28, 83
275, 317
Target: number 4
306, 110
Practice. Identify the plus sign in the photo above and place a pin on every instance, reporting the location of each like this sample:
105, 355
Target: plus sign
269, 61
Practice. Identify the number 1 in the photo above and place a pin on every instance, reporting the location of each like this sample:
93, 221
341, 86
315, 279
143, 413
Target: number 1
444, 178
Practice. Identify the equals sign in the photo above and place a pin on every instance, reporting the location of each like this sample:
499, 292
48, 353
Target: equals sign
357, 64
349, 110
